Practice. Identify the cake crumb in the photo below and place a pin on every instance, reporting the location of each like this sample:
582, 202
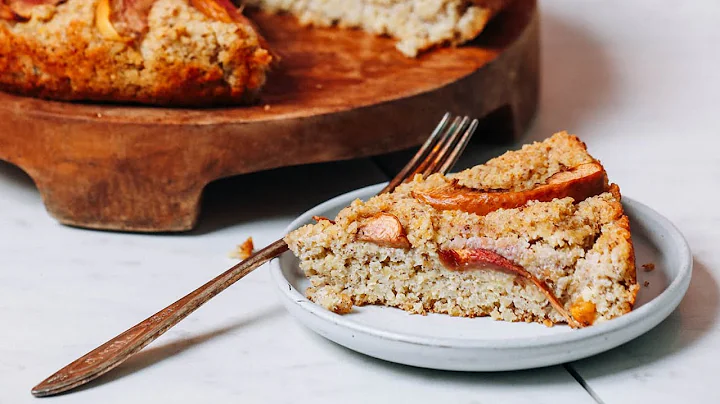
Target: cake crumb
320, 218
244, 250
267, 107
649, 267
646, 284
548, 323
337, 302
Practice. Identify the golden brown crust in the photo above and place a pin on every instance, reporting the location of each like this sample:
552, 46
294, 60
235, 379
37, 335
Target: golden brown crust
81, 67
531, 165
579, 183
6, 13
624, 223
89, 79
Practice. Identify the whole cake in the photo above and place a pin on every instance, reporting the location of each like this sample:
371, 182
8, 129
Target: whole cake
191, 52
169, 52
535, 235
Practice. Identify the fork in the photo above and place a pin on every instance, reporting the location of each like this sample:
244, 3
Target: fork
437, 155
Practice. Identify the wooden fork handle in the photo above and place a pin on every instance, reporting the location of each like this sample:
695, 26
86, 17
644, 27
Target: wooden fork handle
117, 350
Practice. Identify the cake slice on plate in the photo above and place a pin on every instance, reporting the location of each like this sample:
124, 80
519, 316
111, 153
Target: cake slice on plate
535, 235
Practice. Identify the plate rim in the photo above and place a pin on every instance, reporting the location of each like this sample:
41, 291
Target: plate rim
667, 300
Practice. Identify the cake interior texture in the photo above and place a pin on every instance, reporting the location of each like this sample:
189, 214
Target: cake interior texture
416, 24
579, 250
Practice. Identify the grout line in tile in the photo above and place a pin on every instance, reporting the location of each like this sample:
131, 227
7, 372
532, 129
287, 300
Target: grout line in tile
568, 367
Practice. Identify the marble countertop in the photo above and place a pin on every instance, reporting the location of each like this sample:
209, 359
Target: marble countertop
638, 81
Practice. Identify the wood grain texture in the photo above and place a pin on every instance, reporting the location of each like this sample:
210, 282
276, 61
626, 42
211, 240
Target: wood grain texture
337, 94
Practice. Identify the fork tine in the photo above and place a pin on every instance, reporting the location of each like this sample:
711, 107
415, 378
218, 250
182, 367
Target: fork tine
420, 157
428, 148
435, 152
440, 152
459, 148
445, 148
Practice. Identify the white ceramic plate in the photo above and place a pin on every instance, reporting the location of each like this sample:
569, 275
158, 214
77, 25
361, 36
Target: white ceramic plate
482, 344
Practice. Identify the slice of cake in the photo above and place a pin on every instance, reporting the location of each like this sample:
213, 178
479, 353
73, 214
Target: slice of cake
535, 235
417, 24
166, 52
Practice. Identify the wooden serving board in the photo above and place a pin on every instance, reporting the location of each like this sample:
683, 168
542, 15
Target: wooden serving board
338, 94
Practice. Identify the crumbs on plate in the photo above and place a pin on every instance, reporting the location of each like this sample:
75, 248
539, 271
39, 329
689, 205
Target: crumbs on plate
648, 267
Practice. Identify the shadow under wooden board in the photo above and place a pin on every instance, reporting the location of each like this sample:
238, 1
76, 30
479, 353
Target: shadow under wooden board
337, 94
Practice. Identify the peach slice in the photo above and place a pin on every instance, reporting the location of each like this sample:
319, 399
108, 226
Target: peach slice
128, 18
465, 259
579, 182
220, 10
583, 311
7, 14
384, 229
102, 21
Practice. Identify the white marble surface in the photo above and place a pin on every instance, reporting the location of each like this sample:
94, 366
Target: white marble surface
649, 74
639, 81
